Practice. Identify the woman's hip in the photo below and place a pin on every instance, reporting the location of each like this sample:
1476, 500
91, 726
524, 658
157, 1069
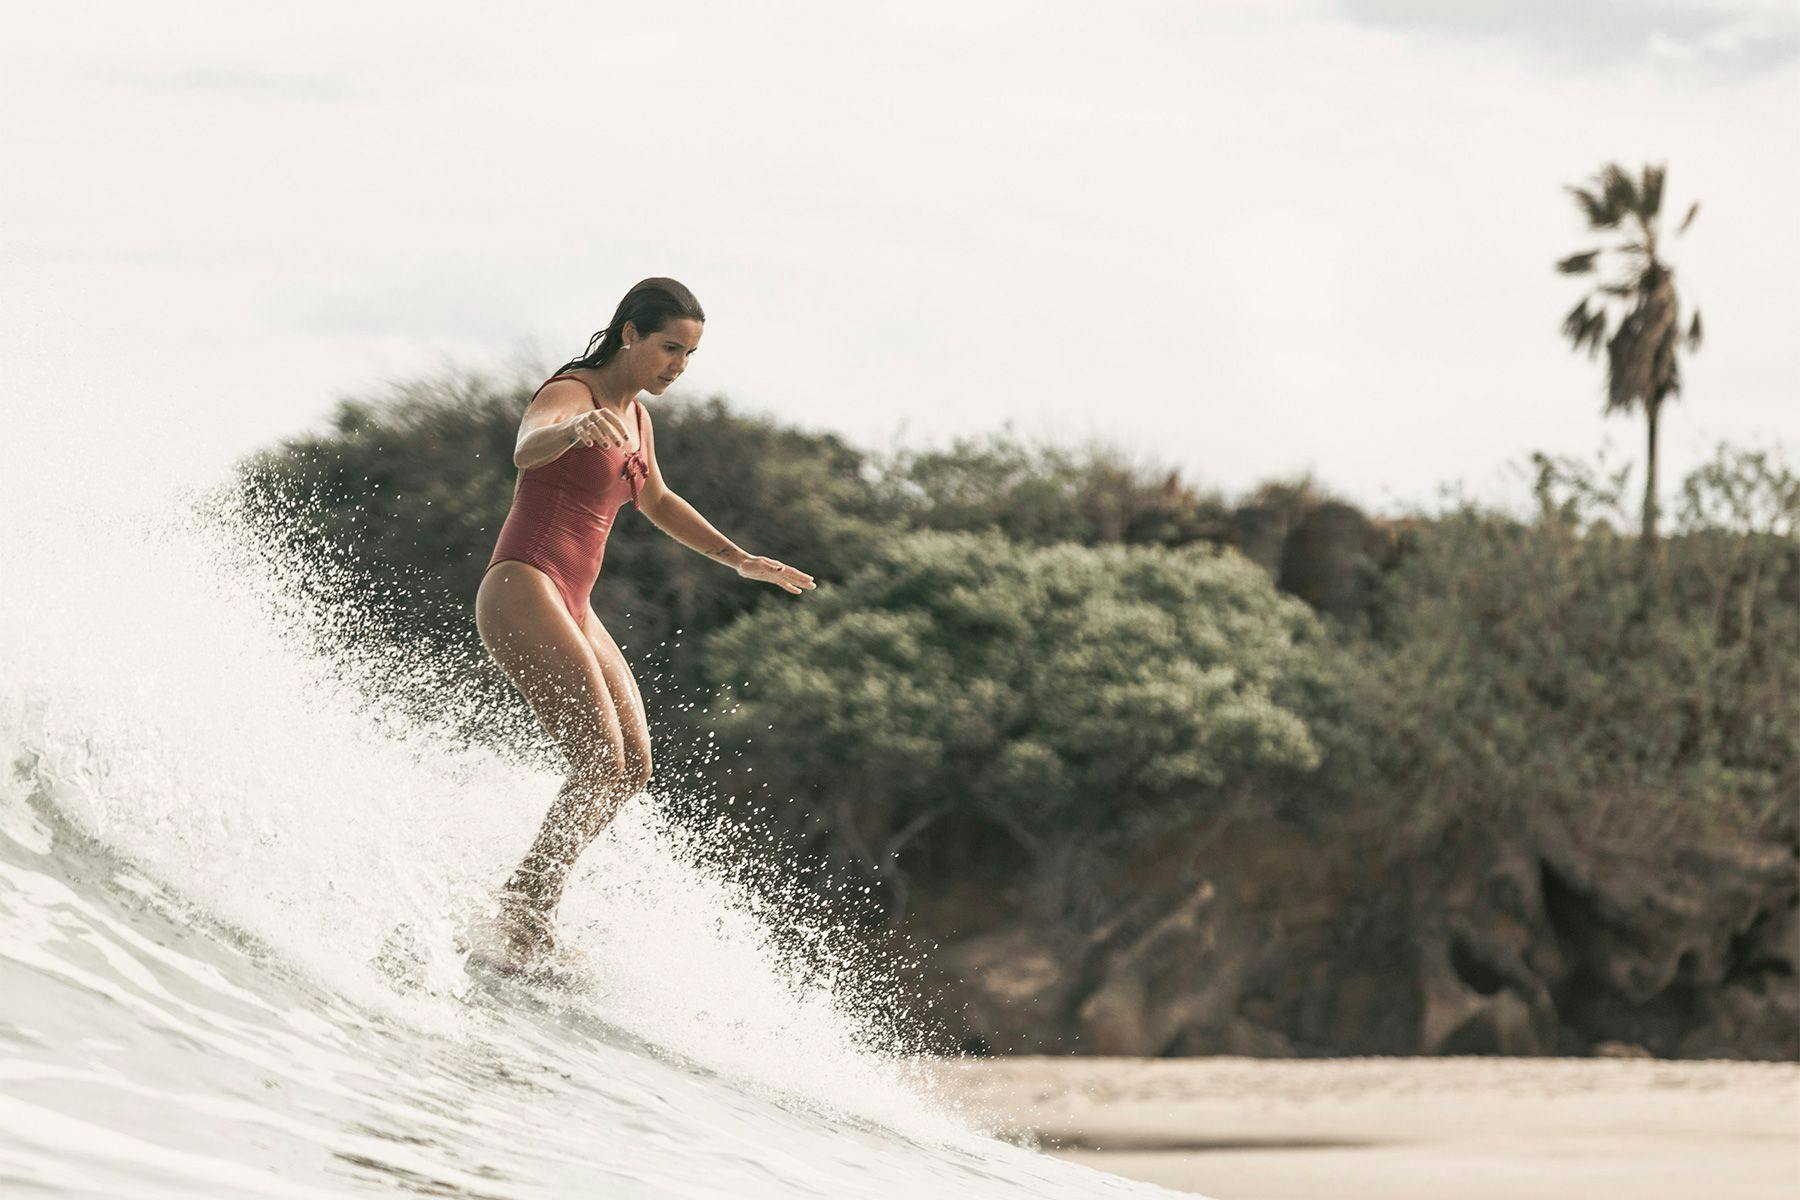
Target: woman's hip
523, 604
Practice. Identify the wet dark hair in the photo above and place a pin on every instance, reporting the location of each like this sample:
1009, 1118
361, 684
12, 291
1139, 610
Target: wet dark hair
650, 305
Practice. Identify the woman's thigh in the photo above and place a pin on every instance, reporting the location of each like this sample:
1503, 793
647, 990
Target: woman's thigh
551, 661
628, 702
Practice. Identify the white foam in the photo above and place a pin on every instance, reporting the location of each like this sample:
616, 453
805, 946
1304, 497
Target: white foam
167, 689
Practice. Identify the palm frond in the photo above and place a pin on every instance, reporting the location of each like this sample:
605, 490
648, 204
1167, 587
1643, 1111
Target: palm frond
1585, 328
1640, 358
1693, 209
1620, 192
1693, 333
1593, 207
1625, 376
1594, 333
1576, 321
1650, 195
1578, 264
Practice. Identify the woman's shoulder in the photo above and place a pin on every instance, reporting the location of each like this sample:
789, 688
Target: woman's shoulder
573, 384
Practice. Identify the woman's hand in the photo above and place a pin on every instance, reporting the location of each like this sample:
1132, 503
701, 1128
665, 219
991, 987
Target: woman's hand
770, 570
597, 427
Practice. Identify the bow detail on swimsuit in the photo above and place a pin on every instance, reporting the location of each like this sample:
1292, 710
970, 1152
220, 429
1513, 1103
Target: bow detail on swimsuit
636, 472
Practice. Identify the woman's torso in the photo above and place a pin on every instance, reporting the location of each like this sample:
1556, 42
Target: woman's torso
563, 510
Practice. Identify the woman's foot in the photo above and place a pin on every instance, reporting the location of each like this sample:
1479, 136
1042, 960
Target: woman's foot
518, 937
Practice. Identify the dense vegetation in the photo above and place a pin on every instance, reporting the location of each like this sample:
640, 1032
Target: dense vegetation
961, 690
1027, 674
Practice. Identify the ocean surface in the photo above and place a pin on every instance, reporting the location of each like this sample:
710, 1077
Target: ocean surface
232, 871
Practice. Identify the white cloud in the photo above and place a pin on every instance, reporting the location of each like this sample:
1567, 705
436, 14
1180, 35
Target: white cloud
1723, 39
1241, 240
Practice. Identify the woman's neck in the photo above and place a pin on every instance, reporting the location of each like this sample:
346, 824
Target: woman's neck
613, 390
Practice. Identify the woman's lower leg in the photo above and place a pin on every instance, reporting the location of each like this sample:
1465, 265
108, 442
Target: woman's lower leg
582, 808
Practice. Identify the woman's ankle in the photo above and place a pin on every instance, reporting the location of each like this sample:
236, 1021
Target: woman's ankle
539, 884
530, 924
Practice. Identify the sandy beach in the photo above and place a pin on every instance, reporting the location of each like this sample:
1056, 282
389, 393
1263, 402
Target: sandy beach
1406, 1129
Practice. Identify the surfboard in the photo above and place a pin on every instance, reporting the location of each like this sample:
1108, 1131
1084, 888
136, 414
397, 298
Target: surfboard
567, 970
484, 952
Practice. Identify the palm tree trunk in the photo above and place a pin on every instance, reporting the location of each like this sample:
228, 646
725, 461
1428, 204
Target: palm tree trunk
1652, 410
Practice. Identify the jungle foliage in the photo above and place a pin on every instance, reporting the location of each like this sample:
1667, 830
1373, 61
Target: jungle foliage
1021, 662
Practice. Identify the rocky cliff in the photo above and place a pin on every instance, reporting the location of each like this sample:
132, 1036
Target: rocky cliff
1525, 940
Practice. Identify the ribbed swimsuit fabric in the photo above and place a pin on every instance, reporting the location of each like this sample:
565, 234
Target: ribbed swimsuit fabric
562, 511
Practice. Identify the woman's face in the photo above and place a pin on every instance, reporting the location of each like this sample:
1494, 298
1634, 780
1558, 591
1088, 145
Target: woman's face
656, 360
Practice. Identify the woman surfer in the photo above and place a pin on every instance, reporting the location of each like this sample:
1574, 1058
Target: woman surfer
585, 447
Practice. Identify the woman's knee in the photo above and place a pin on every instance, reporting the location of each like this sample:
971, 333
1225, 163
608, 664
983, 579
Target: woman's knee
619, 776
634, 769
599, 763
616, 774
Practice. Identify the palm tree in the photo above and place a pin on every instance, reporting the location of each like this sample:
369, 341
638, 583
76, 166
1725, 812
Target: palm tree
1632, 306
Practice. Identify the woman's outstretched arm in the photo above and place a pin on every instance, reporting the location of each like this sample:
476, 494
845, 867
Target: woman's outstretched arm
683, 522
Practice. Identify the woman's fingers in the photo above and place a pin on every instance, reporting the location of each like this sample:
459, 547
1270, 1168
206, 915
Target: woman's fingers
795, 574
773, 570
788, 578
598, 427
612, 426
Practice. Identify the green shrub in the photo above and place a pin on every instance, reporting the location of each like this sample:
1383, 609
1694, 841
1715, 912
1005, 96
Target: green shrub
1549, 664
1074, 698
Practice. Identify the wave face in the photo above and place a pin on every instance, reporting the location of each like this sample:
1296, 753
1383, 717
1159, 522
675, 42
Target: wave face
229, 881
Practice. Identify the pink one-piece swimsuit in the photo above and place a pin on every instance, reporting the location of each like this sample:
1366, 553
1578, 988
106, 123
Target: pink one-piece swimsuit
562, 511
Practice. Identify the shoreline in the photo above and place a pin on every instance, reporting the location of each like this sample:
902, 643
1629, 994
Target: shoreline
1402, 1128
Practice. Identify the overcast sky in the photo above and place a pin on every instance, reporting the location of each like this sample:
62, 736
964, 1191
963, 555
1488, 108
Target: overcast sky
1242, 239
